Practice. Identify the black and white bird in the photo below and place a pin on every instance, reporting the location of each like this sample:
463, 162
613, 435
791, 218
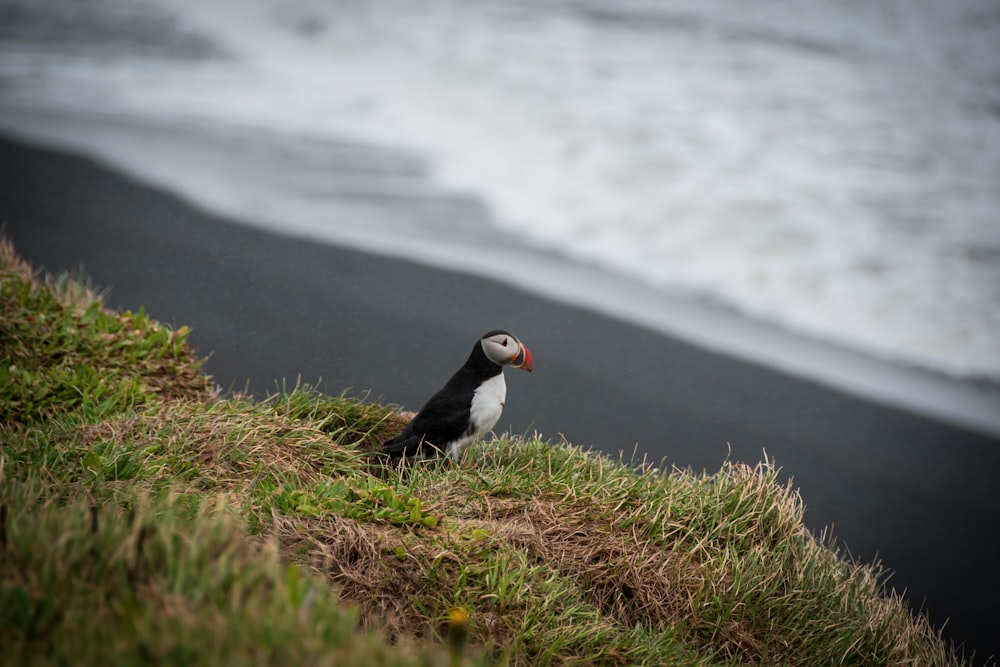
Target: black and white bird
468, 406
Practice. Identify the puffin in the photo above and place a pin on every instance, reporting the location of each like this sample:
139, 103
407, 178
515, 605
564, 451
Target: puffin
467, 407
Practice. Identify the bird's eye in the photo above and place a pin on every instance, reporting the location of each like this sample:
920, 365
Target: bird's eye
504, 342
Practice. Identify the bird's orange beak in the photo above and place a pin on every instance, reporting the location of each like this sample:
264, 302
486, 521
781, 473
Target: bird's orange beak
523, 358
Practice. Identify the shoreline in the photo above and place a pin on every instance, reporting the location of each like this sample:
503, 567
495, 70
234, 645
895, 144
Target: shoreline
912, 491
964, 402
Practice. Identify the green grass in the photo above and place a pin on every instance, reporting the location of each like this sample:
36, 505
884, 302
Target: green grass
145, 518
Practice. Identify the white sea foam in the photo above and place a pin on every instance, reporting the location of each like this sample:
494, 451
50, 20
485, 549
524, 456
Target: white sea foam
831, 169
834, 170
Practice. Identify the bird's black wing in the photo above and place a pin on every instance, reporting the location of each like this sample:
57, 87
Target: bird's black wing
408, 446
442, 420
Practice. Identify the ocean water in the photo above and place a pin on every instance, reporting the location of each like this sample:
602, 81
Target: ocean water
830, 169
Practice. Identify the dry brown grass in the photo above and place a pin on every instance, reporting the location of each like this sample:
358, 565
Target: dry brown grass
11, 264
719, 562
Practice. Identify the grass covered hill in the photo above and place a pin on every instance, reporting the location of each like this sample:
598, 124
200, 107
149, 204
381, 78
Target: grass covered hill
146, 519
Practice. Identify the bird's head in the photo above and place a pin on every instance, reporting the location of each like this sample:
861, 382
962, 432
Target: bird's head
505, 349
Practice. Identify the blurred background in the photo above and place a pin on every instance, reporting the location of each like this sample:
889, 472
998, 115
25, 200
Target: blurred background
831, 168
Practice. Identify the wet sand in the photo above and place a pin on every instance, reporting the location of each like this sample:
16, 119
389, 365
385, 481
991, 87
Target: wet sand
914, 492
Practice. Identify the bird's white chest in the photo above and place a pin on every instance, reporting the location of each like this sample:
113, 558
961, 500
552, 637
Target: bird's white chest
487, 404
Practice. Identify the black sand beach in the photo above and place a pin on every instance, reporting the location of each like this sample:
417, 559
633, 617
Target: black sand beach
918, 494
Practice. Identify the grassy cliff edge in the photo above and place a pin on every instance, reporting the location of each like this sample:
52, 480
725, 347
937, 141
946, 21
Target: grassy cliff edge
146, 518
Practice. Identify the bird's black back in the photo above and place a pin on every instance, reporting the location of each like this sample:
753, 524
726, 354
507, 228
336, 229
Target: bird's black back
445, 417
